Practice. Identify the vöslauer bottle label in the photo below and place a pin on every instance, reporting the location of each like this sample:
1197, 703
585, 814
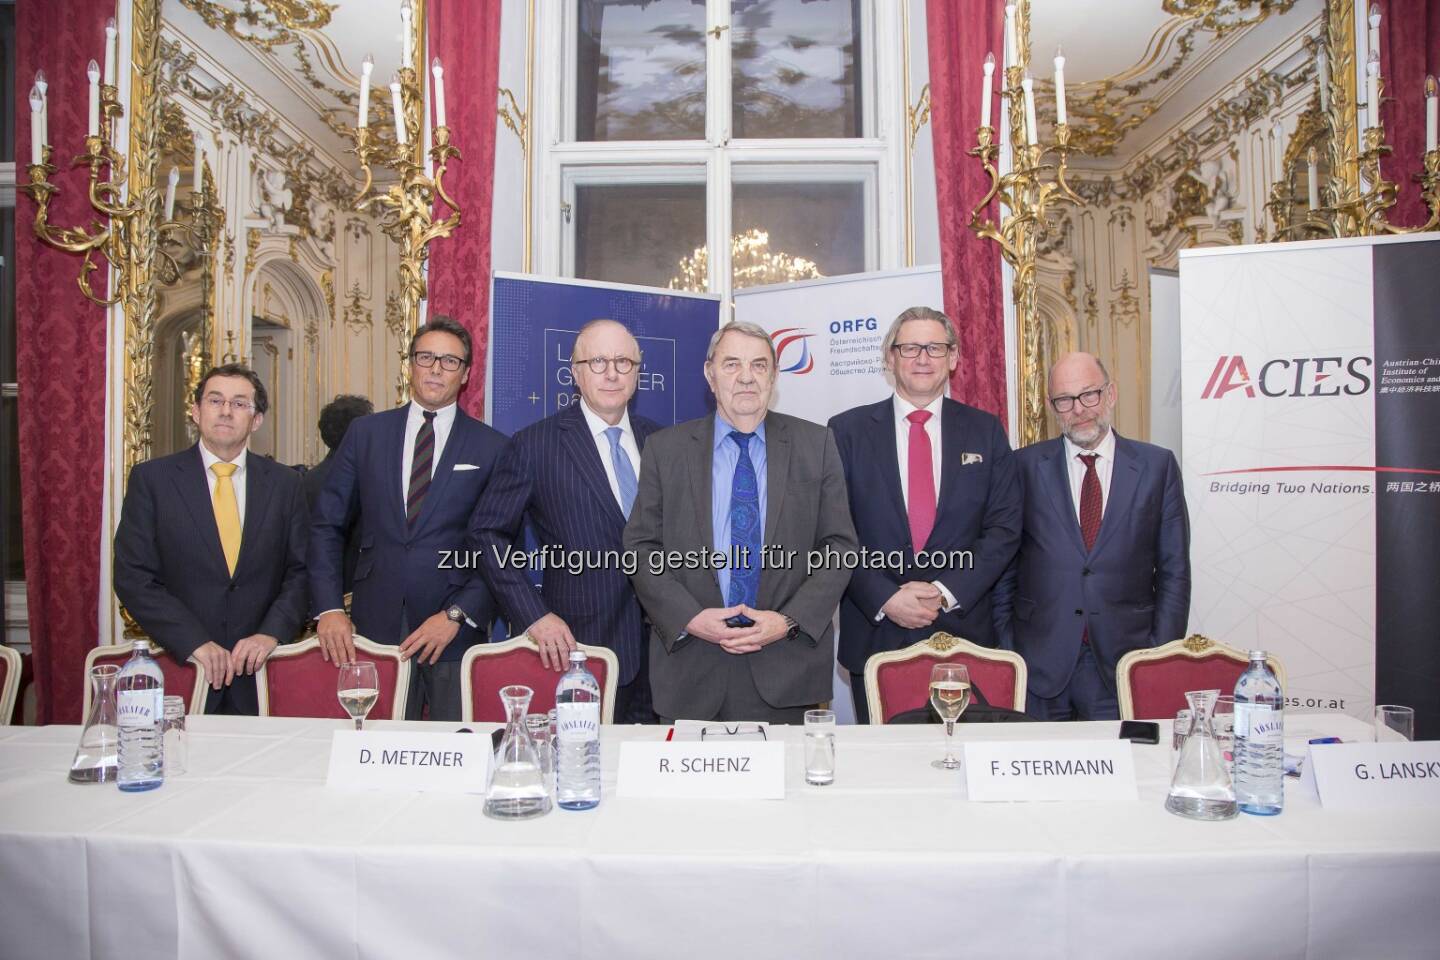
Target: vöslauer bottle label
139, 708
577, 722
1259, 722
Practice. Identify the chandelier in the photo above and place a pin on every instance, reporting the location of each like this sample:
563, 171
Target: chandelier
752, 264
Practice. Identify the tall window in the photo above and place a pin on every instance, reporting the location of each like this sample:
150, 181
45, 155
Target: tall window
722, 144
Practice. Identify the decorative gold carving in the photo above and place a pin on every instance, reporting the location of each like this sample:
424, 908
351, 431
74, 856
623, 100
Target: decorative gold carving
1126, 307
395, 318
327, 284
517, 121
1197, 643
357, 315
942, 642
252, 249
176, 137
919, 114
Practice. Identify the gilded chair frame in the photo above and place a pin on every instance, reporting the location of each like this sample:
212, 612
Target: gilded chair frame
938, 646
1194, 647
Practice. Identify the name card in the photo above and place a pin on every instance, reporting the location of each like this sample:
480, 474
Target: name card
1050, 770
742, 770
402, 760
1355, 776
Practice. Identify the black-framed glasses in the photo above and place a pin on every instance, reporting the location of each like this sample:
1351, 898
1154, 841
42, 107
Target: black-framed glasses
448, 361
598, 365
912, 350
739, 731
218, 403
1087, 399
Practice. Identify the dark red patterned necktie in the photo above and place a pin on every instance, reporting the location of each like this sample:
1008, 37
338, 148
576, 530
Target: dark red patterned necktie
1092, 505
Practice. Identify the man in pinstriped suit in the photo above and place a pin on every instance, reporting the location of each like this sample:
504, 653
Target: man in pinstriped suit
573, 476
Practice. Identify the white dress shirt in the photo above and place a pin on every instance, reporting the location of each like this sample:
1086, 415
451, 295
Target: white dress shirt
237, 479
602, 444
903, 409
444, 420
1104, 467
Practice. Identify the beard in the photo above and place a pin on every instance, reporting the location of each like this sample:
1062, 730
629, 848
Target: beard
1089, 434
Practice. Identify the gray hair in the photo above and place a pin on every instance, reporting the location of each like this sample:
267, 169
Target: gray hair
915, 313
745, 329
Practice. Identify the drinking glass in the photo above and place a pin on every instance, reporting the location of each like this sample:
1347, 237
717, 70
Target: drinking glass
1394, 723
358, 689
177, 746
949, 695
1223, 721
820, 747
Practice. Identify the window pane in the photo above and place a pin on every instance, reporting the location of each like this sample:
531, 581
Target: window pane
795, 68
794, 231
640, 70
637, 233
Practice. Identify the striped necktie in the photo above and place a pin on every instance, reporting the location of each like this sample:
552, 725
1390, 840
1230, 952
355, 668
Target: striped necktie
420, 466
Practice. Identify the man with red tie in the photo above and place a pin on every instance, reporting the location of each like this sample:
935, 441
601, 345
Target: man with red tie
932, 480
1104, 560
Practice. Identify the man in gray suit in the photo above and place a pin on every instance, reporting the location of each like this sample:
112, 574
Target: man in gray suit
741, 529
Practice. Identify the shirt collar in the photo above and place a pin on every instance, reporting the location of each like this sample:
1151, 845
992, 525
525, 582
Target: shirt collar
903, 407
443, 417
207, 458
1106, 449
723, 429
598, 426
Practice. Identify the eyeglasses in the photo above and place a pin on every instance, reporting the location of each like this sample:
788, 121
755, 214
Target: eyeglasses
218, 403
623, 365
448, 361
1087, 399
912, 350
739, 731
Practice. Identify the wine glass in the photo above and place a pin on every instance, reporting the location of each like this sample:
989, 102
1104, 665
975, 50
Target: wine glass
358, 688
949, 695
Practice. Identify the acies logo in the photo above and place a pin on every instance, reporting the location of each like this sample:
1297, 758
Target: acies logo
1292, 377
792, 351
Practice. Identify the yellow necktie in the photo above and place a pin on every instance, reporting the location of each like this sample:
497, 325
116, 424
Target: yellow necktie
227, 513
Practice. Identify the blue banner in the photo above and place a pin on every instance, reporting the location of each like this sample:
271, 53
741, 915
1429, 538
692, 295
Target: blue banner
533, 323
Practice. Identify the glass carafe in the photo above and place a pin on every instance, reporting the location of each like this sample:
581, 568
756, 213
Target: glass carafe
97, 758
517, 788
1201, 788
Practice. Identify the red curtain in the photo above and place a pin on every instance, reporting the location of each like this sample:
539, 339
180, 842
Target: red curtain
465, 35
61, 361
961, 32
1409, 49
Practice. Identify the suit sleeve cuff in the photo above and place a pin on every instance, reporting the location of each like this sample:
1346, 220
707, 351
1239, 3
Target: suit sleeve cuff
950, 601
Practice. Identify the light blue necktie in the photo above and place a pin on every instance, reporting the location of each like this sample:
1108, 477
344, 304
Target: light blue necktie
624, 471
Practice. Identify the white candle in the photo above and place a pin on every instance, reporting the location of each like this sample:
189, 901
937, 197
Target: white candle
170, 185
1031, 136
400, 136
406, 56
438, 72
1432, 112
1012, 44
1322, 73
1373, 46
367, 66
37, 137
110, 34
1059, 85
989, 93
1372, 89
198, 163
44, 88
1313, 179
92, 128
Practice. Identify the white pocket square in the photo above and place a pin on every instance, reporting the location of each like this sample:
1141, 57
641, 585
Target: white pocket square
969, 458
467, 466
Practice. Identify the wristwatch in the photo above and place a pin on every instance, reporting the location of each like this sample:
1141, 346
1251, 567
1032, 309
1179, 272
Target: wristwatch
793, 628
455, 614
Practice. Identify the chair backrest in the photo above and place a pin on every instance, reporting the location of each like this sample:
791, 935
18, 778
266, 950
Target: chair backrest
297, 681
489, 666
11, 667
184, 680
1152, 682
899, 680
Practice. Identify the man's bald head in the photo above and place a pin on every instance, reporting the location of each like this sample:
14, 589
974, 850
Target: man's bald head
1083, 398
607, 392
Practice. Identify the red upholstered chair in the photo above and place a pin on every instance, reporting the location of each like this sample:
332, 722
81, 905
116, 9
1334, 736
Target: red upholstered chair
185, 680
297, 681
899, 680
489, 666
1152, 682
11, 667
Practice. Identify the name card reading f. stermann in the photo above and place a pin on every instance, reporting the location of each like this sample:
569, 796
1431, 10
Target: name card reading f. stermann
743, 770
409, 761
1051, 770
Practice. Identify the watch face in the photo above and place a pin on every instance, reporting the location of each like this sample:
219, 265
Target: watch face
456, 614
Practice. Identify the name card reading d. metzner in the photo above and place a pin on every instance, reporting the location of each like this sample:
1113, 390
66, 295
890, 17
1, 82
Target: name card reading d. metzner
740, 770
1372, 775
1050, 770
396, 760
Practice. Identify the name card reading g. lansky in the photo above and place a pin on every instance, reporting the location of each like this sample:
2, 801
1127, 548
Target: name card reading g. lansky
736, 770
1051, 770
1372, 775
409, 761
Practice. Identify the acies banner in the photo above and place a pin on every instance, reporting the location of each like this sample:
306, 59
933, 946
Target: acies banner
533, 322
1310, 375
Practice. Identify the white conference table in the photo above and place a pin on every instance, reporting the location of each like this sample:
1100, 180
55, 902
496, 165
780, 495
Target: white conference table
250, 855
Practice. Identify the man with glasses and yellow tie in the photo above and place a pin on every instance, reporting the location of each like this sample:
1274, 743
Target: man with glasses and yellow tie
210, 551
1104, 561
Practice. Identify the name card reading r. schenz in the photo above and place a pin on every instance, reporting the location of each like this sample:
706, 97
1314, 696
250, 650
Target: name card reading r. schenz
741, 770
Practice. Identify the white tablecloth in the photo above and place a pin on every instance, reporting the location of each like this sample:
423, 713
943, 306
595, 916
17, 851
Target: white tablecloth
250, 855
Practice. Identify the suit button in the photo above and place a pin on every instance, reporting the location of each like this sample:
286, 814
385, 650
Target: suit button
232, 588
1079, 613
1085, 572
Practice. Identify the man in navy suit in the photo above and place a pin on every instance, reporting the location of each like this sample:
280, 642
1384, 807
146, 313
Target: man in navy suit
210, 551
410, 477
1104, 561
934, 481
573, 475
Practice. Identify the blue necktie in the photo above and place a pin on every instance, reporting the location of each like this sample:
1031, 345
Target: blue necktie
624, 471
745, 527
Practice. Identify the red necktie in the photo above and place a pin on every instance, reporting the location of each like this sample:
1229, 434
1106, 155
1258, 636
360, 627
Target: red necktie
921, 505
1092, 505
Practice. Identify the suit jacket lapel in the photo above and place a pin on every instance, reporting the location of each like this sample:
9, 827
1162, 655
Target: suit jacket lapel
394, 462
702, 462
952, 445
1124, 480
579, 443
888, 461
1058, 484
259, 482
777, 474
194, 492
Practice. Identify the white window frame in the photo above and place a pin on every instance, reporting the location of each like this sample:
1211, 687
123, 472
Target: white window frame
877, 159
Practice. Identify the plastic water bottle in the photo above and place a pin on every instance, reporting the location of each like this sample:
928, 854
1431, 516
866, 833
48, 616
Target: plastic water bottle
140, 715
1259, 739
577, 722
